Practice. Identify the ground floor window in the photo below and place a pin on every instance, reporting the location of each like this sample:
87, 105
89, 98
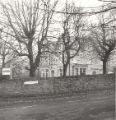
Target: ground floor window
61, 72
73, 70
94, 72
76, 71
47, 72
39, 73
52, 73
43, 74
82, 71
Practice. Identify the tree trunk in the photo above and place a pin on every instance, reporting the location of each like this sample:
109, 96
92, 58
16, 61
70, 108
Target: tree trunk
34, 66
104, 67
65, 66
32, 71
64, 70
3, 62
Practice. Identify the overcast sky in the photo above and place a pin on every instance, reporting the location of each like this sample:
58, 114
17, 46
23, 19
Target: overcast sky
87, 3
82, 3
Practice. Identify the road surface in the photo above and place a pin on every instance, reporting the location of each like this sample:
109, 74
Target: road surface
90, 109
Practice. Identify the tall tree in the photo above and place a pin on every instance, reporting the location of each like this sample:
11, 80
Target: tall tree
103, 37
6, 52
71, 37
29, 22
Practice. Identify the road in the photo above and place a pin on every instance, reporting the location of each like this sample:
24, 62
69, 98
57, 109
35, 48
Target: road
90, 109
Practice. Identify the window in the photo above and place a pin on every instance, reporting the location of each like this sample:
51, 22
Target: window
40, 74
43, 74
52, 73
61, 72
76, 71
46, 72
82, 71
94, 72
73, 70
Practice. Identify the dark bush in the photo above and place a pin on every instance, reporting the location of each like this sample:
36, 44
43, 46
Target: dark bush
4, 77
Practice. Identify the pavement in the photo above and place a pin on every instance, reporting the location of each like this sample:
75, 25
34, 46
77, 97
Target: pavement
98, 108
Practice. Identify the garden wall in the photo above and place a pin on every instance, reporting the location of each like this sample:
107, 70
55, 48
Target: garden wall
58, 85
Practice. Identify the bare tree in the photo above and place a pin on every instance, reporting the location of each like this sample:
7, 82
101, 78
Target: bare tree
109, 1
6, 52
71, 37
108, 6
104, 40
29, 23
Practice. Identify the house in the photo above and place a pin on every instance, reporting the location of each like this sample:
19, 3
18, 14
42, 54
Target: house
52, 66
85, 63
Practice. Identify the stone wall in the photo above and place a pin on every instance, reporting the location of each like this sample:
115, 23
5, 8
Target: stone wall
58, 85
81, 83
